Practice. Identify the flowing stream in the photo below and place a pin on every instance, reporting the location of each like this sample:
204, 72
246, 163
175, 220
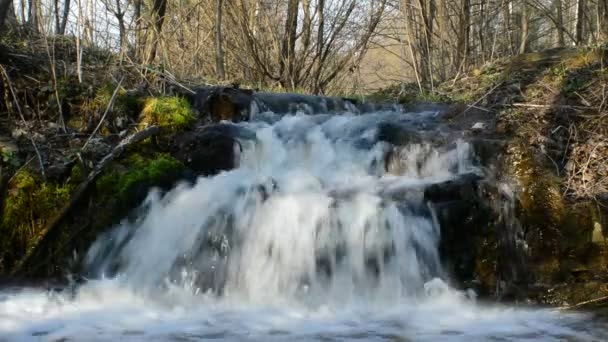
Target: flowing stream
300, 242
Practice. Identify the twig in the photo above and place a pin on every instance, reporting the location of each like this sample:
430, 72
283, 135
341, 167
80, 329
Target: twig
483, 97
53, 73
108, 108
583, 100
534, 105
48, 233
479, 108
10, 86
591, 301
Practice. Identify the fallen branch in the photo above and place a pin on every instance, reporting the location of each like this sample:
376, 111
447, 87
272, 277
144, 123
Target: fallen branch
51, 231
591, 301
534, 105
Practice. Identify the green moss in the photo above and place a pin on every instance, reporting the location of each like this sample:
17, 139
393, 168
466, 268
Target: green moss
173, 113
138, 174
28, 208
76, 175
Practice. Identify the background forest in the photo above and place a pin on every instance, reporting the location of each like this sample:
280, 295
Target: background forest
319, 46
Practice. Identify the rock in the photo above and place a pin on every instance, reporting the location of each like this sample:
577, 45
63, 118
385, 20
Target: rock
56, 172
397, 134
216, 148
479, 126
463, 188
97, 148
222, 103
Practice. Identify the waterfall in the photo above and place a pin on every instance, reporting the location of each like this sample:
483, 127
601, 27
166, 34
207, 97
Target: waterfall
322, 232
302, 218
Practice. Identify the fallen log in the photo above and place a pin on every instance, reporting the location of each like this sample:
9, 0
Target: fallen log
50, 232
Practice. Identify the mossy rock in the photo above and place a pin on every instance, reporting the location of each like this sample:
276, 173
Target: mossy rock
170, 113
125, 185
559, 234
28, 207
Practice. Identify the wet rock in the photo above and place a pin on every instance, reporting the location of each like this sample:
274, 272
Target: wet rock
487, 151
284, 103
397, 134
464, 188
222, 103
215, 148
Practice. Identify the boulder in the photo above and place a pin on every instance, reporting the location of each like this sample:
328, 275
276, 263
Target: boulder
211, 150
222, 103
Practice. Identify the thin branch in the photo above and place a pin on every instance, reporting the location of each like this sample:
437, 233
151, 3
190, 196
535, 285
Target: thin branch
108, 108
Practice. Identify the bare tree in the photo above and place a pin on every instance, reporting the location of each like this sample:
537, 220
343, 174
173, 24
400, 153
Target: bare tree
61, 17
580, 21
219, 49
159, 9
5, 5
603, 20
32, 15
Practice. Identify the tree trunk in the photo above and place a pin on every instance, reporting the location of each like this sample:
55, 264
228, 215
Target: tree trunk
523, 46
219, 51
159, 9
5, 6
603, 21
427, 13
560, 24
580, 22
480, 31
138, 50
444, 37
507, 24
56, 15
32, 15
288, 49
64, 18
464, 23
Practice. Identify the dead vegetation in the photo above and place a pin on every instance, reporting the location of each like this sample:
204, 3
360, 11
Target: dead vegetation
554, 101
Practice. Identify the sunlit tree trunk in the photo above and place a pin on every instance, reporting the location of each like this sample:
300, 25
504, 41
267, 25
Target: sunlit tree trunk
560, 23
219, 50
159, 9
523, 46
603, 20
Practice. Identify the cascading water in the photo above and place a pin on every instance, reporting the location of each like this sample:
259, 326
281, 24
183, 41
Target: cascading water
302, 241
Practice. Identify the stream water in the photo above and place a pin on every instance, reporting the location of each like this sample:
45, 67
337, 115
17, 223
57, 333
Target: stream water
300, 242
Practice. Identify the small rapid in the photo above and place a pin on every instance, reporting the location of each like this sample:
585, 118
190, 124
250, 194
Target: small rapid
302, 241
